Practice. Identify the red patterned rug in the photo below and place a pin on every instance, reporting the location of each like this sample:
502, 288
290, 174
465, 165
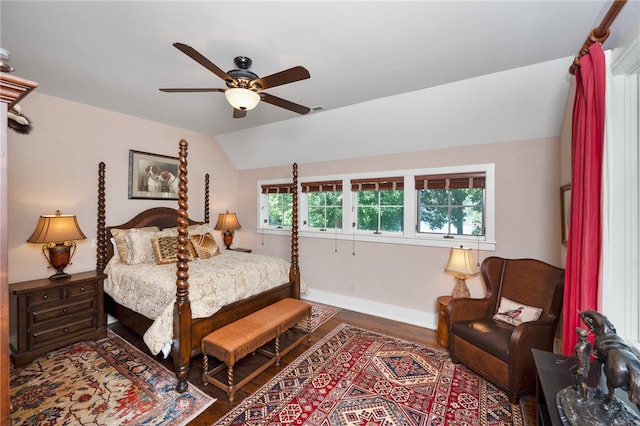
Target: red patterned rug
319, 314
358, 377
107, 382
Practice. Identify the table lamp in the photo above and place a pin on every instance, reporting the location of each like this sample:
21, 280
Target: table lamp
227, 223
461, 261
57, 232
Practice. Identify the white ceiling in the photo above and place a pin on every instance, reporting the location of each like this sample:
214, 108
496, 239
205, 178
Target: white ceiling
115, 55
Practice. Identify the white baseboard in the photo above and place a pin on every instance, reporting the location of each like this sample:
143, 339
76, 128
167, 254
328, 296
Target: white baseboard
395, 313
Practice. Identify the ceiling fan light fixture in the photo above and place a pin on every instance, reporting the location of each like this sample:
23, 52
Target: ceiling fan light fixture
242, 99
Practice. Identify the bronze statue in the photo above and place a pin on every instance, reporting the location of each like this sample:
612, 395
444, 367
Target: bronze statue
620, 365
580, 373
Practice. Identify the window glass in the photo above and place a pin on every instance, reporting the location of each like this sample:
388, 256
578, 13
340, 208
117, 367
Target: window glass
453, 211
324, 210
451, 204
379, 211
280, 210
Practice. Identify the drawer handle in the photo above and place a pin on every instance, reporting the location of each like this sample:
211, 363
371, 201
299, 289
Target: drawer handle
45, 297
81, 288
65, 310
66, 330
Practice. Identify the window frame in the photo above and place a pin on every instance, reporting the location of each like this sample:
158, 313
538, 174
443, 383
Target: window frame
335, 185
409, 236
263, 203
377, 184
473, 180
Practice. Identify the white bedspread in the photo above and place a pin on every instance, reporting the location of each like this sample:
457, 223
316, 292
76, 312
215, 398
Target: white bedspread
150, 289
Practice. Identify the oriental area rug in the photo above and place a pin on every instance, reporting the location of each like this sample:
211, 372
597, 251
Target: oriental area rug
319, 315
357, 377
106, 382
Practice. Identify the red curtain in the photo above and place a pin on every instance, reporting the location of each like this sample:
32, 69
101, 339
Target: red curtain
584, 245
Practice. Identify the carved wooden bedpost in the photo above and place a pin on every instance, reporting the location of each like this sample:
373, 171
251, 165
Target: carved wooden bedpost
294, 271
182, 309
206, 198
101, 251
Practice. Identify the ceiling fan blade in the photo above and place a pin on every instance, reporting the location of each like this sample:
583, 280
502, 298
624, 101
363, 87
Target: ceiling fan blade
192, 90
196, 56
283, 77
282, 103
239, 113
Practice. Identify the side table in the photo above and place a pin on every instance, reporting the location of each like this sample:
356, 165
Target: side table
443, 328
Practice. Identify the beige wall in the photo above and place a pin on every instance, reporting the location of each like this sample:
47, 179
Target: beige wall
56, 167
402, 281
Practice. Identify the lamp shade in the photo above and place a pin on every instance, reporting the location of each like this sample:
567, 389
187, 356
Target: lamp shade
56, 229
242, 99
461, 261
227, 221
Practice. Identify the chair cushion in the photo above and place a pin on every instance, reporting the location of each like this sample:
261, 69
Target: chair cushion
487, 334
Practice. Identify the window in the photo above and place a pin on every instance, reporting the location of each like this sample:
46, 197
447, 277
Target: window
379, 204
279, 204
324, 204
410, 206
451, 204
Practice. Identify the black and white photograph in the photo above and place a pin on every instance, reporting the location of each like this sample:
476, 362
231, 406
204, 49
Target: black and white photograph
152, 176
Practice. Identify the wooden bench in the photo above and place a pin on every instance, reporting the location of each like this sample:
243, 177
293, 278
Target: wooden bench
247, 335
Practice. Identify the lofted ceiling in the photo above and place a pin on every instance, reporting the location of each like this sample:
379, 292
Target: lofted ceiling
116, 55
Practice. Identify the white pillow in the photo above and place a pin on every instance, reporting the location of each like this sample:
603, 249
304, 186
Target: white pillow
515, 313
139, 246
120, 237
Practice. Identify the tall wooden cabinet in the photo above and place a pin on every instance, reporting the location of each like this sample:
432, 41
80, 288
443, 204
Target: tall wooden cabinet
12, 90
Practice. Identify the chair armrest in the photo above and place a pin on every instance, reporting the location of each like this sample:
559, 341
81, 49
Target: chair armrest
465, 309
534, 334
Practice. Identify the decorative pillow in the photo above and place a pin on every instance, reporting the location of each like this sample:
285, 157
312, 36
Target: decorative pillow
165, 250
120, 236
139, 248
202, 228
204, 245
515, 313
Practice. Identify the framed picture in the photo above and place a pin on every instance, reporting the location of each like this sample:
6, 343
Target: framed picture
153, 176
565, 205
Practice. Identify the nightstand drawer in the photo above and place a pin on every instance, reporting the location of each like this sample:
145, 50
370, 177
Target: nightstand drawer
40, 297
64, 331
83, 289
61, 311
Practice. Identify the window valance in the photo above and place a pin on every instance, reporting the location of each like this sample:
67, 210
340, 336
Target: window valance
378, 184
451, 181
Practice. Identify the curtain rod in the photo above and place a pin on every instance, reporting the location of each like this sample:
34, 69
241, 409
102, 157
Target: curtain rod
599, 34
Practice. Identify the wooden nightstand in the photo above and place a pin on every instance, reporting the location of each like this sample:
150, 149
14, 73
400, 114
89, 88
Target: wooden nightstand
443, 328
243, 250
47, 315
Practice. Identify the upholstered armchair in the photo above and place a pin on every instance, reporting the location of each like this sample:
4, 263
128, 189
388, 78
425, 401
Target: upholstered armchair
494, 335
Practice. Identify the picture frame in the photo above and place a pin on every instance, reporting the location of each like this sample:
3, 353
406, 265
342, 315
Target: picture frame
153, 176
565, 207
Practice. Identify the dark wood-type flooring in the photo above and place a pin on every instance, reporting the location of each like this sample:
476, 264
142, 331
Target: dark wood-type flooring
380, 325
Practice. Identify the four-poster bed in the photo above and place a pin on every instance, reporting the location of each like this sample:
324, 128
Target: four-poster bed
187, 331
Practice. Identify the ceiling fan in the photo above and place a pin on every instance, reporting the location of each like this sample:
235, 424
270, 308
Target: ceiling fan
244, 88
